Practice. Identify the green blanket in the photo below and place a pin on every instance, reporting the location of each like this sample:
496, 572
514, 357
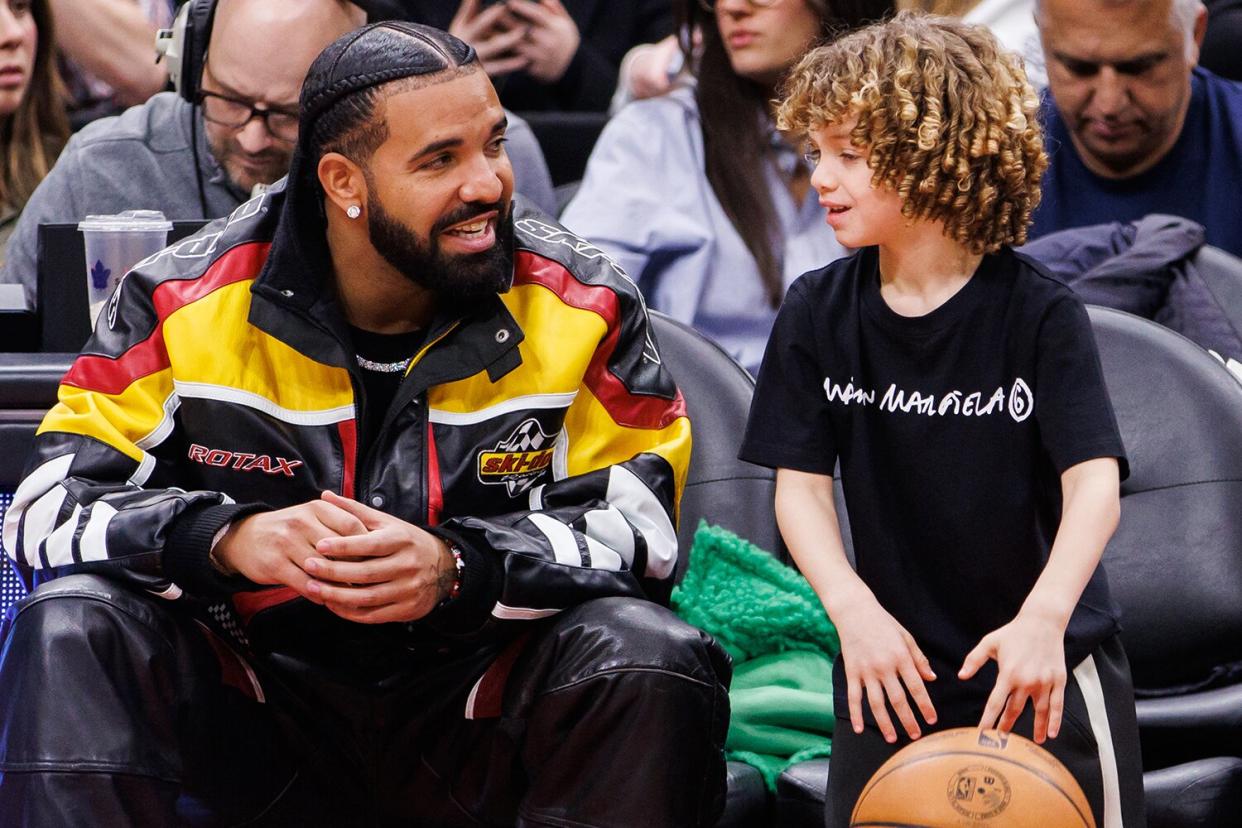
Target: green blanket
768, 618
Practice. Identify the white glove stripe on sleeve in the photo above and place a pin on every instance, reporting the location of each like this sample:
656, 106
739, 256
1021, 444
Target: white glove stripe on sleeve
39, 498
628, 493
602, 557
59, 544
94, 538
561, 538
609, 527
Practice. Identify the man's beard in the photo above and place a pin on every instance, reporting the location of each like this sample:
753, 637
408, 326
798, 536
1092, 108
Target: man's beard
458, 280
273, 162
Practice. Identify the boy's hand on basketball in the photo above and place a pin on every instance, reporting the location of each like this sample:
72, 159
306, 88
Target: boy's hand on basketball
1030, 659
882, 660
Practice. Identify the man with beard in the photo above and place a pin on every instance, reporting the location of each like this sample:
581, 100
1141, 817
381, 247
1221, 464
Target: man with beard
1133, 125
358, 507
201, 158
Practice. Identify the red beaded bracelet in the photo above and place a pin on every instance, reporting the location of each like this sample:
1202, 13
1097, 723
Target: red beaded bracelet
460, 566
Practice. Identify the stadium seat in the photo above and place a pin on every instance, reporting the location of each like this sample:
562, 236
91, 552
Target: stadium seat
721, 489
1175, 563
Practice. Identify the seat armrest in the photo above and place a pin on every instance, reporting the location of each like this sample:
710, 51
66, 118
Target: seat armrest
1206, 794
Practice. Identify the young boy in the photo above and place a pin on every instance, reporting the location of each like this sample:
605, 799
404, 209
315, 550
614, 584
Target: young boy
959, 387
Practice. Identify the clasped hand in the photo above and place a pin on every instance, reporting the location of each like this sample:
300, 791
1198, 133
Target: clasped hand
360, 563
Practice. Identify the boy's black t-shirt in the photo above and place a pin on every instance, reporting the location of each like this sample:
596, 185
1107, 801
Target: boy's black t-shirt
952, 430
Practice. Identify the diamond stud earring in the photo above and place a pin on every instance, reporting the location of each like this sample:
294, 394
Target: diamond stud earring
354, 211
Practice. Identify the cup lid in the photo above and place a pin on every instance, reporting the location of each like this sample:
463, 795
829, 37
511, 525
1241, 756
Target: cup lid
128, 220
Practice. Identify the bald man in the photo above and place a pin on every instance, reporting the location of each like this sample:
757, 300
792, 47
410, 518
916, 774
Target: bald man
1135, 126
166, 155
202, 160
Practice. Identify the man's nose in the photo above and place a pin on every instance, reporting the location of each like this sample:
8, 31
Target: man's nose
1111, 92
482, 183
253, 136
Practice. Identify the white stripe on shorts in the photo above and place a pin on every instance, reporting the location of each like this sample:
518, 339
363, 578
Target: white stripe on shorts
1088, 679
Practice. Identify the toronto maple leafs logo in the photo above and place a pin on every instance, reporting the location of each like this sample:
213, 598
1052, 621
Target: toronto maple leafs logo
99, 275
517, 461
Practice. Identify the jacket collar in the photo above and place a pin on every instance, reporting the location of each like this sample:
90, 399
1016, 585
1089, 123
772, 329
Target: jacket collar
294, 301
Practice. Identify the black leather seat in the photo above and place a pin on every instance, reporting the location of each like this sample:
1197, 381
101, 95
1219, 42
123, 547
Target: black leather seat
28, 385
1175, 563
720, 488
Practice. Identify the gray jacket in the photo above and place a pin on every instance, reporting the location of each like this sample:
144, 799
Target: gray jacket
143, 159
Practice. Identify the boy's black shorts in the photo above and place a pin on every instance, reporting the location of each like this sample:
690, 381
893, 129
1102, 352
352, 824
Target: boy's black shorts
1098, 743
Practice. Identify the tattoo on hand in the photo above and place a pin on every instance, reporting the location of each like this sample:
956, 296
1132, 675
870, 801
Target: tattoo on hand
445, 578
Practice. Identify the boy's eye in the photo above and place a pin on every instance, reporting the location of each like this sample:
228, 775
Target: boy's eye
811, 156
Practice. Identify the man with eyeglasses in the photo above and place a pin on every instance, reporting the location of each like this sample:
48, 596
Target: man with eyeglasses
166, 155
202, 160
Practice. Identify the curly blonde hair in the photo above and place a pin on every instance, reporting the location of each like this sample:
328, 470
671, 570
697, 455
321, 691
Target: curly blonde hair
947, 115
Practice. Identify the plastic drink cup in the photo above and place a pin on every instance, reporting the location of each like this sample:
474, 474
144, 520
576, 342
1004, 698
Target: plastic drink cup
116, 243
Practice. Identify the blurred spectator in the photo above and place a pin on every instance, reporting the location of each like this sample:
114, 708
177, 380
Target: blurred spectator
202, 160
650, 69
33, 127
106, 54
166, 155
1222, 44
696, 194
1133, 126
550, 55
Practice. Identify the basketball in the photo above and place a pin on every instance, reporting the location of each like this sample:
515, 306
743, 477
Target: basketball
965, 776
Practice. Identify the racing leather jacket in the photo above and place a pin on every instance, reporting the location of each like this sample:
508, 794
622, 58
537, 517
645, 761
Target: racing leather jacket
539, 432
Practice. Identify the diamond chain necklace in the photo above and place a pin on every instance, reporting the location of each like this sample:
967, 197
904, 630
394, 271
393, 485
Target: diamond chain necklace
384, 367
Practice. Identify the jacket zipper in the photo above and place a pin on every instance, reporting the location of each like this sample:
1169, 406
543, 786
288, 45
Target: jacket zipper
362, 468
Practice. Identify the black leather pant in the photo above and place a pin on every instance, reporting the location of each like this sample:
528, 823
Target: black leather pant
118, 709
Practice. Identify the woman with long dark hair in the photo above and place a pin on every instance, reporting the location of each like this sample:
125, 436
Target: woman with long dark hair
33, 125
695, 193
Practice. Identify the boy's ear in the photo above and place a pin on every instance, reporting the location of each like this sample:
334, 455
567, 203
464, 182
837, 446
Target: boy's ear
343, 181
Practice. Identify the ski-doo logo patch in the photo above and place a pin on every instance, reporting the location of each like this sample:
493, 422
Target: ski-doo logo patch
518, 460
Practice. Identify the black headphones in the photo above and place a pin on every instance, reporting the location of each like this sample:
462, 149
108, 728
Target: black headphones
185, 46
